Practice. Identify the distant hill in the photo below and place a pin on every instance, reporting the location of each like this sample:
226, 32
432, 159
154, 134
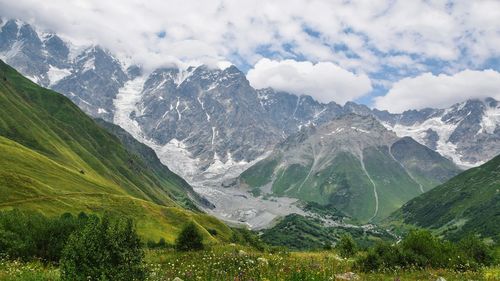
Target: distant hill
467, 204
306, 233
56, 159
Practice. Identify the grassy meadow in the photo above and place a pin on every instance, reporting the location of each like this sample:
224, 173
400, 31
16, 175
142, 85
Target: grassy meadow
232, 262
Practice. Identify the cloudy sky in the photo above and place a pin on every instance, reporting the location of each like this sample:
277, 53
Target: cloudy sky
389, 54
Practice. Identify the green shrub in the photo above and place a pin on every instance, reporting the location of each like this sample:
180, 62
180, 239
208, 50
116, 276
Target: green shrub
478, 251
347, 246
107, 249
189, 239
212, 232
420, 249
30, 235
161, 244
247, 237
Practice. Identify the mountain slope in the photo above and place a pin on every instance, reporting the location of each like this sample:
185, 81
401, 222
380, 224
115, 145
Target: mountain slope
352, 162
179, 189
55, 159
467, 204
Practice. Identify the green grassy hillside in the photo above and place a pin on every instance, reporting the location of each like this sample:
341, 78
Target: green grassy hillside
56, 159
467, 204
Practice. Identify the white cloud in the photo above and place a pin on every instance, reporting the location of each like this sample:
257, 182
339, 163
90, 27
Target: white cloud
324, 81
428, 90
223, 29
360, 36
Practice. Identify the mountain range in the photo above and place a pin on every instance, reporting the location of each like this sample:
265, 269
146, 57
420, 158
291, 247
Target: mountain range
212, 118
209, 125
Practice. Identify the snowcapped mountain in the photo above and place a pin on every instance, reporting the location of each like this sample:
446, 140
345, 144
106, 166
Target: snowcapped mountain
214, 114
467, 132
352, 162
93, 83
88, 75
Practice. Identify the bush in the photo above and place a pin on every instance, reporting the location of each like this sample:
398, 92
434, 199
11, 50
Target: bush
161, 244
107, 249
477, 250
381, 256
189, 239
423, 250
347, 246
247, 237
30, 235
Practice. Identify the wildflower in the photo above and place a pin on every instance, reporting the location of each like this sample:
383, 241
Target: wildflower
262, 261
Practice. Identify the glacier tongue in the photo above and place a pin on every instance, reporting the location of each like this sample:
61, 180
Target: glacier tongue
177, 158
125, 103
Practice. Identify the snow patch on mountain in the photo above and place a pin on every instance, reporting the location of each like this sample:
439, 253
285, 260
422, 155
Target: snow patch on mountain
491, 119
12, 52
183, 75
33, 79
360, 130
56, 74
443, 130
89, 65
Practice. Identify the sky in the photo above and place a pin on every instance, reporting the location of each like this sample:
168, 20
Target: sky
390, 54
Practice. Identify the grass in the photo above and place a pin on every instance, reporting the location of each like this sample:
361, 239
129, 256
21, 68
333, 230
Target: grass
231, 262
32, 271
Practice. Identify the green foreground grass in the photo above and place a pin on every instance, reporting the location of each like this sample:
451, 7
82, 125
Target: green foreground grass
232, 262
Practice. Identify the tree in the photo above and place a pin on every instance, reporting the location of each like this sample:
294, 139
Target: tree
106, 249
347, 246
189, 239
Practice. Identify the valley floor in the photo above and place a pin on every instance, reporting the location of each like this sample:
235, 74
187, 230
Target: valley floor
235, 263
